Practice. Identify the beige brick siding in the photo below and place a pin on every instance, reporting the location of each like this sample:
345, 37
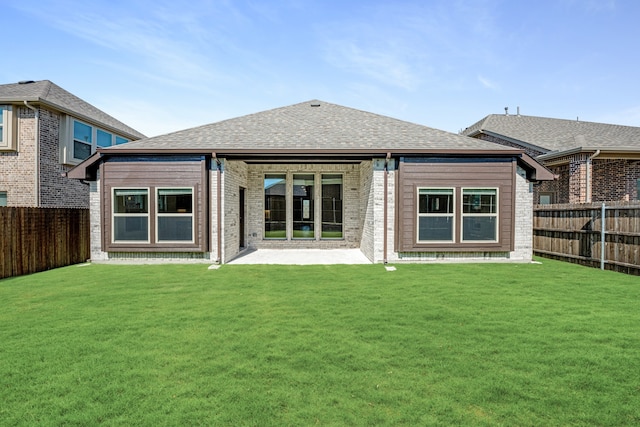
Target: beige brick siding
251, 177
18, 169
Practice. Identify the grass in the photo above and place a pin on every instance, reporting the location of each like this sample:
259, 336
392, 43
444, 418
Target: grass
480, 345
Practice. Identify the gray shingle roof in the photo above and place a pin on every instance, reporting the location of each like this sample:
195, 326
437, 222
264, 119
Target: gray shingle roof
48, 93
311, 125
558, 135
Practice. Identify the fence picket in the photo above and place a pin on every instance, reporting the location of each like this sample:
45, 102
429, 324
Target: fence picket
572, 232
38, 239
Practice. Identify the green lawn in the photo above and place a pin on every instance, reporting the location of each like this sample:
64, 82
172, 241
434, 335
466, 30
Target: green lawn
477, 344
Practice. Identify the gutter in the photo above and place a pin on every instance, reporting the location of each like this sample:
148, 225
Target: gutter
37, 150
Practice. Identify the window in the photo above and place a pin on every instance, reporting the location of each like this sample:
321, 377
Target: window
131, 215
638, 189
85, 139
3, 138
436, 215
275, 206
3, 198
175, 215
303, 213
331, 206
7, 138
480, 215
546, 198
82, 141
104, 138
291, 202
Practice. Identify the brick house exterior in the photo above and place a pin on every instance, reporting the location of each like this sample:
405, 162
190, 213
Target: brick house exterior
593, 162
311, 175
37, 141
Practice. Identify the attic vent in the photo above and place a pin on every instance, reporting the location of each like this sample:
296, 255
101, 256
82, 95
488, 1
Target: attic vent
315, 105
25, 82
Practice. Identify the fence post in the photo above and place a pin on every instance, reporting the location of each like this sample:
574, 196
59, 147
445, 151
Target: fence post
602, 236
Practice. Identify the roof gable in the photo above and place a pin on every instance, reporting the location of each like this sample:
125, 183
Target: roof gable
311, 125
49, 93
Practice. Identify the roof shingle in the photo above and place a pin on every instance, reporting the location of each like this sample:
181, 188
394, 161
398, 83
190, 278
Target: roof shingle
313, 125
53, 95
558, 135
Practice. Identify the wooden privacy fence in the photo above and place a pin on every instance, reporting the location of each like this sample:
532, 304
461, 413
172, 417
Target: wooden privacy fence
38, 239
574, 233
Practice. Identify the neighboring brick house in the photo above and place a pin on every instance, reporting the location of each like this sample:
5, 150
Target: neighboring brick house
311, 175
44, 132
593, 162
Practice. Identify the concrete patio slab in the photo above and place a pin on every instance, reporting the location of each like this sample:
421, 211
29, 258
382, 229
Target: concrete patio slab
301, 257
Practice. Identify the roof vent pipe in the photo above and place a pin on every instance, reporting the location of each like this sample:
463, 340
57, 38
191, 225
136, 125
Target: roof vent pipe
506, 111
518, 111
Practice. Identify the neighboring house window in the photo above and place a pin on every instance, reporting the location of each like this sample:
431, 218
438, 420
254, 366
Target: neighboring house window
436, 210
3, 137
82, 140
303, 220
275, 206
546, 198
131, 215
6, 128
480, 215
3, 198
303, 212
331, 206
175, 215
85, 139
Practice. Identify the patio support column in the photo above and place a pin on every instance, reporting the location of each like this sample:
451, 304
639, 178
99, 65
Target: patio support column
218, 208
386, 203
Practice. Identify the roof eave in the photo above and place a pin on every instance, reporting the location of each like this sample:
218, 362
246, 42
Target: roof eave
578, 150
53, 105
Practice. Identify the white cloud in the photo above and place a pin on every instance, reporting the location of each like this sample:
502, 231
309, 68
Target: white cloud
488, 83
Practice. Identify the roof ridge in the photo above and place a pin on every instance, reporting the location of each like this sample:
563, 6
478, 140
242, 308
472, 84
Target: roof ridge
47, 88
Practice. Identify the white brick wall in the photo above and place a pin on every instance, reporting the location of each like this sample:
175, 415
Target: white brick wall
523, 249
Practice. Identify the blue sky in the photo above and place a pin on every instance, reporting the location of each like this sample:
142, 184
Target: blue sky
162, 65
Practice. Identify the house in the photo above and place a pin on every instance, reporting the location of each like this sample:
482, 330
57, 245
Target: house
594, 162
311, 175
44, 132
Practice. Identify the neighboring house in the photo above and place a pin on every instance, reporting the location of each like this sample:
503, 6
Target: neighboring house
44, 132
594, 162
311, 175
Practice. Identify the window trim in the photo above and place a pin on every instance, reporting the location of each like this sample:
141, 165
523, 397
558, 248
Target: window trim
8, 142
158, 215
322, 175
317, 204
495, 214
421, 215
68, 149
138, 215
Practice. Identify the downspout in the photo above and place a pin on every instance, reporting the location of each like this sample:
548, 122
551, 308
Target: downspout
37, 150
386, 203
218, 208
588, 173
